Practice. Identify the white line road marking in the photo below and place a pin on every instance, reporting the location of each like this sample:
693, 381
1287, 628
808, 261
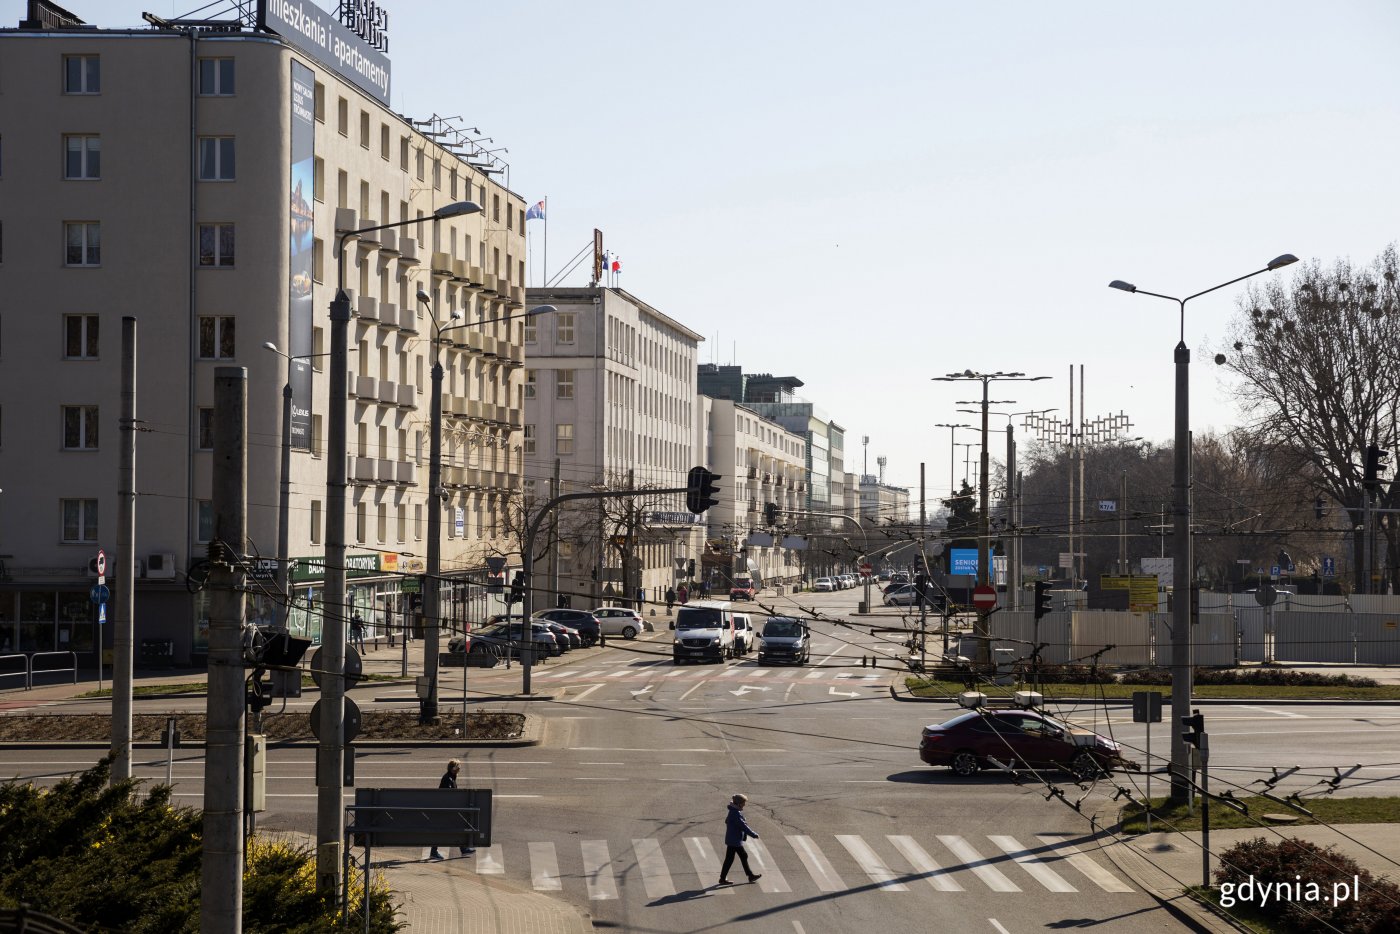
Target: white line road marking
772, 881
597, 870
818, 868
1277, 713
544, 868
656, 876
870, 863
814, 674
937, 876
642, 691
706, 863
582, 694
759, 672
997, 924
744, 689
832, 691
973, 860
490, 861
602, 763
1081, 861
635, 749
692, 690
1032, 864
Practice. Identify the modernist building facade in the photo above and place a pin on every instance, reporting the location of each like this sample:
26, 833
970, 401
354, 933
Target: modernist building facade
196, 182
610, 404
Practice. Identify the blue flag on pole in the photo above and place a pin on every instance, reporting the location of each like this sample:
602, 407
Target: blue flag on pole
535, 212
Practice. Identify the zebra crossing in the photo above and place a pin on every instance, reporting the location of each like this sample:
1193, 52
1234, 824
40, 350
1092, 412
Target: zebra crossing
800, 863
664, 671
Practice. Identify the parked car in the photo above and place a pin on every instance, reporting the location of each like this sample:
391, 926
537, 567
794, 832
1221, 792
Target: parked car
908, 595
1027, 738
824, 585
744, 635
620, 621
742, 589
508, 639
704, 632
583, 621
784, 639
569, 637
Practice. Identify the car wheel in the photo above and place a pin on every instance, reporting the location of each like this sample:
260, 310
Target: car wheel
1085, 767
965, 763
629, 632
675, 661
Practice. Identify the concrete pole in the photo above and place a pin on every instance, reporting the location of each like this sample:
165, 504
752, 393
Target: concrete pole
554, 539
122, 632
1181, 572
984, 536
221, 899
1013, 558
432, 583
284, 499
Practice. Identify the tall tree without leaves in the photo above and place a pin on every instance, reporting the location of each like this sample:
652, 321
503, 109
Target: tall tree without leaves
1319, 361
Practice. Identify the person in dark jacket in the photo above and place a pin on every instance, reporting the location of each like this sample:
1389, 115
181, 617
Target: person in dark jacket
736, 831
449, 780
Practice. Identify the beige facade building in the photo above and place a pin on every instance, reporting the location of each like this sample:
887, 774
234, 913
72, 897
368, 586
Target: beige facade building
196, 182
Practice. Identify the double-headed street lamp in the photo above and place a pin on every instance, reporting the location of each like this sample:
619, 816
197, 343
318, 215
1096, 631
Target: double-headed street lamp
1181, 525
330, 753
952, 445
984, 532
432, 586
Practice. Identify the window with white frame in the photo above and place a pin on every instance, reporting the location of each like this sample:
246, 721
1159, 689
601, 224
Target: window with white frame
83, 243
216, 245
82, 156
529, 440
79, 520
563, 384
216, 337
216, 77
216, 158
529, 384
206, 428
79, 427
564, 327
532, 330
563, 439
80, 337
82, 74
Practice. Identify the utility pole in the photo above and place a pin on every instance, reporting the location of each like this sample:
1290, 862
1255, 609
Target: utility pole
221, 900
1013, 566
122, 633
554, 540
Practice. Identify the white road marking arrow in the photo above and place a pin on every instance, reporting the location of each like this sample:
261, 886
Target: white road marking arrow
746, 689
837, 693
642, 691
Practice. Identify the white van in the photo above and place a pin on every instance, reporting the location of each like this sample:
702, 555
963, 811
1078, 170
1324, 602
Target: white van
744, 635
704, 632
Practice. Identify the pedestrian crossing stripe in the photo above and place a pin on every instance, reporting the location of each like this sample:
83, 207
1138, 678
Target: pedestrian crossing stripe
896, 864
704, 672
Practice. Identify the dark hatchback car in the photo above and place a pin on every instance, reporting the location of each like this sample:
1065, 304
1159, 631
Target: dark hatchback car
1023, 738
583, 621
506, 640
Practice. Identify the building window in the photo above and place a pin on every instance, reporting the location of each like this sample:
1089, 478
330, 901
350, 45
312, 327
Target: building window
360, 523
319, 100
563, 439
364, 129
403, 153
529, 440
216, 335
82, 157
418, 164
316, 436
206, 429
318, 179
216, 77
216, 158
342, 117
384, 144
80, 428
496, 209
318, 259
84, 243
563, 384
417, 522
564, 327
532, 331
204, 520
315, 522
80, 337
529, 384
216, 244
79, 520
82, 74
381, 523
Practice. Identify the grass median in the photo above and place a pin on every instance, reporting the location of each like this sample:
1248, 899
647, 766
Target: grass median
1180, 817
932, 687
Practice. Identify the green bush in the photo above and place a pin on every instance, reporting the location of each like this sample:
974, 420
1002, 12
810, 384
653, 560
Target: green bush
1271, 677
102, 855
1065, 674
1303, 879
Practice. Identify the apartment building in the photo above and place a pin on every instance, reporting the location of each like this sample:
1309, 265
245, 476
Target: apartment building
195, 179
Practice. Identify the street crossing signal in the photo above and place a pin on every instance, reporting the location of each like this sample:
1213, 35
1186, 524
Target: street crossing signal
517, 588
1042, 598
702, 490
1375, 464
770, 514
1195, 727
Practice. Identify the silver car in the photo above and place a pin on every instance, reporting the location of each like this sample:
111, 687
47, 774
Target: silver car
620, 621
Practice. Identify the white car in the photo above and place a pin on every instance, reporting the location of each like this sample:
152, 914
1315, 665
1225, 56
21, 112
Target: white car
620, 621
744, 636
824, 585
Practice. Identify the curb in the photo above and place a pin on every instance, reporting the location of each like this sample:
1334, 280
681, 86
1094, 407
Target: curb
896, 684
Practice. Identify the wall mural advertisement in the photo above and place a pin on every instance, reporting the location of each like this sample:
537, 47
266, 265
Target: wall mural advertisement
301, 217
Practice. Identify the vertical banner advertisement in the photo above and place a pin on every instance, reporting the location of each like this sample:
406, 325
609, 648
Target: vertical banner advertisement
301, 218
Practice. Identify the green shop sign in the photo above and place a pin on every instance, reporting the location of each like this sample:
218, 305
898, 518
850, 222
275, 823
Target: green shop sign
364, 565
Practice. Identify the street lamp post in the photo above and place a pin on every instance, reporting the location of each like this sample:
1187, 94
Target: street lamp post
432, 586
330, 753
1181, 526
952, 450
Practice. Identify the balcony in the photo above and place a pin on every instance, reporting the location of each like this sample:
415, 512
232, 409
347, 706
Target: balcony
386, 470
408, 251
362, 469
407, 320
388, 392
388, 242
752, 473
367, 308
517, 297
371, 239
366, 388
405, 473
388, 314
441, 266
474, 278
461, 271
408, 396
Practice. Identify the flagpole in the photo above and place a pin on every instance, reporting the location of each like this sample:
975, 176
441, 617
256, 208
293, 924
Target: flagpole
546, 239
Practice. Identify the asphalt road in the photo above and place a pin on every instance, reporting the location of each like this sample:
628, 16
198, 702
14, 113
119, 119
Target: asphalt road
621, 808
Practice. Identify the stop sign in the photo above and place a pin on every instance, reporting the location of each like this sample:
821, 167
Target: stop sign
984, 597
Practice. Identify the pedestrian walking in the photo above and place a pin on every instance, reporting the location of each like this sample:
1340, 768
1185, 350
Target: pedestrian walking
682, 594
670, 599
449, 780
357, 632
736, 831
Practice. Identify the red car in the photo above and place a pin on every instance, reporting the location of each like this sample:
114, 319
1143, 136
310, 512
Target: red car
1020, 738
742, 589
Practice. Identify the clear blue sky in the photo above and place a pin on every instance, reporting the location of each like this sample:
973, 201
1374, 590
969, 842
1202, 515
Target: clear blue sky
868, 195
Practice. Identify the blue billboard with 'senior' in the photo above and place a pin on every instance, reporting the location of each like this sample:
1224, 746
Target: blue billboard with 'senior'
962, 560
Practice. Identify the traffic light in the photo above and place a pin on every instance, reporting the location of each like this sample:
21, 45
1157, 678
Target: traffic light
770, 514
702, 490
517, 588
1375, 464
1195, 727
1042, 598
690, 569
920, 589
258, 690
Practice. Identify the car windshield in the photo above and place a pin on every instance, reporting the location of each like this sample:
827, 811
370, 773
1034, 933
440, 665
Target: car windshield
781, 627
698, 618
